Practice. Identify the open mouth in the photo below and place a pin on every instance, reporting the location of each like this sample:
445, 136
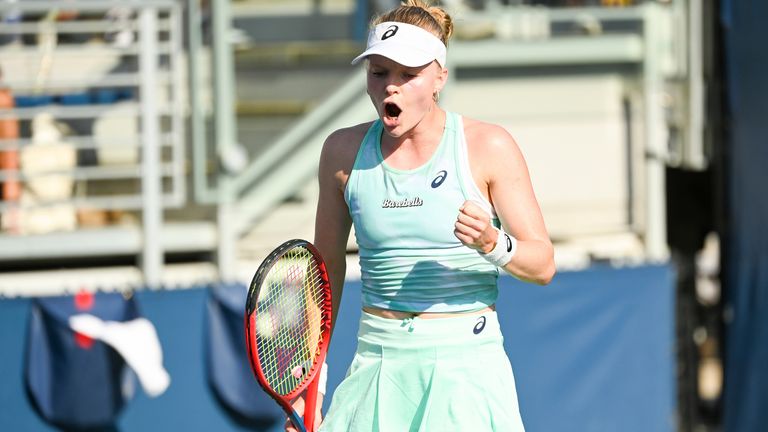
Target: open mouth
392, 110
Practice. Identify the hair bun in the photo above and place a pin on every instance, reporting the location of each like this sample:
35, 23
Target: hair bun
438, 14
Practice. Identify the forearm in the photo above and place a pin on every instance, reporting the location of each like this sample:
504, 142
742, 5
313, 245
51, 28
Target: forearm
331, 241
336, 272
533, 261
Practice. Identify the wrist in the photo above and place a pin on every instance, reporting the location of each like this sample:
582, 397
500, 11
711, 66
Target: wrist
503, 250
486, 251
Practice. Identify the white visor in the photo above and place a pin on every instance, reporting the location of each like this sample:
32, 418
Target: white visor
407, 44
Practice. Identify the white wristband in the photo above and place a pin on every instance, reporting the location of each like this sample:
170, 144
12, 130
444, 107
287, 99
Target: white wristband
322, 382
502, 253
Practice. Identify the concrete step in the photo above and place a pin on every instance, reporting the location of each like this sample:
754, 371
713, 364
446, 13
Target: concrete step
293, 219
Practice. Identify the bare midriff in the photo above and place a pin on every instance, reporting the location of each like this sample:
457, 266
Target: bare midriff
399, 315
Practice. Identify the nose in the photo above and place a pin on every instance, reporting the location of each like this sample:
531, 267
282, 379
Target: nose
392, 89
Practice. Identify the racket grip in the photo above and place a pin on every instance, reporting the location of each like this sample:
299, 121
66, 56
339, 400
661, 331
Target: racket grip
310, 405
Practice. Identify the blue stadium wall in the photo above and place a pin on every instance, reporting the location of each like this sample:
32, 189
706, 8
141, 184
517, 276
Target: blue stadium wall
593, 351
745, 268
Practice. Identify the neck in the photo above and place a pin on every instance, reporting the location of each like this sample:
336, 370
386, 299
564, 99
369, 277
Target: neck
416, 146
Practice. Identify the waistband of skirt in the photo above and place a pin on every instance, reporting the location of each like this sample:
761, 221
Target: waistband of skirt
415, 332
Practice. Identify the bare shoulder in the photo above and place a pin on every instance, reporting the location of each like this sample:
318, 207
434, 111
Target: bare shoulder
343, 144
489, 142
340, 150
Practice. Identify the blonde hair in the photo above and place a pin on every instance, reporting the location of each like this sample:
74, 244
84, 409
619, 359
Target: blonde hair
433, 19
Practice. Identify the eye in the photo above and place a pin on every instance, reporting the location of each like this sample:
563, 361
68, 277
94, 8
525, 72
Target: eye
377, 73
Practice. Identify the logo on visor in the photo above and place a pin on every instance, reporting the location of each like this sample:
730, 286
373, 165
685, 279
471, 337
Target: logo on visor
391, 30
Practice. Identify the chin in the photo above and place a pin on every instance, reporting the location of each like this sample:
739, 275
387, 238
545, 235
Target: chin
394, 133
396, 130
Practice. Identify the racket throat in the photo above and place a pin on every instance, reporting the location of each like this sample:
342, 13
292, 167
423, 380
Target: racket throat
310, 404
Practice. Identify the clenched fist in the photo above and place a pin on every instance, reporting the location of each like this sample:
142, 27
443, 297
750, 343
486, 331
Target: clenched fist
474, 229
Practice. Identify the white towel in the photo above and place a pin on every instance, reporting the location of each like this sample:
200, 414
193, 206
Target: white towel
136, 341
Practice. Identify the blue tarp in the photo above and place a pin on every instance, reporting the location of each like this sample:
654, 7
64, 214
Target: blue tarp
227, 365
61, 363
593, 351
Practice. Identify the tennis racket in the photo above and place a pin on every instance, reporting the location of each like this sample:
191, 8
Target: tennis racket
288, 326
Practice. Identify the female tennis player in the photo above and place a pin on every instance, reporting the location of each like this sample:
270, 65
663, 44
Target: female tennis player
439, 203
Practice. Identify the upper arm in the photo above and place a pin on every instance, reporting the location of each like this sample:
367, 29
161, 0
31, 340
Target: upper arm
503, 172
332, 219
511, 190
500, 170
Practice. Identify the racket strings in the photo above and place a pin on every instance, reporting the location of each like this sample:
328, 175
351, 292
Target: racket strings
290, 319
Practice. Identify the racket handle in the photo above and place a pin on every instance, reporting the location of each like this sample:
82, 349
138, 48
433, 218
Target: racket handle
310, 405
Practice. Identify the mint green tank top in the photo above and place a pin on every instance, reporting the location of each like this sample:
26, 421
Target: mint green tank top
410, 259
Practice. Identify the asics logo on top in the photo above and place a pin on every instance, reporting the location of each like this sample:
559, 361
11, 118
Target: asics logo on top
439, 179
391, 30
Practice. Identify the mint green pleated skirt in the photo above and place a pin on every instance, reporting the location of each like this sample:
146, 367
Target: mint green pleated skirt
446, 374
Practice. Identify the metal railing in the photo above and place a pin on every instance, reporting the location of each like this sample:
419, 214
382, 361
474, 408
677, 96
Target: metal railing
104, 81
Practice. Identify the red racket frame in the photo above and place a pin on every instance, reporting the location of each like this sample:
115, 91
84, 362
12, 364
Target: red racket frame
310, 383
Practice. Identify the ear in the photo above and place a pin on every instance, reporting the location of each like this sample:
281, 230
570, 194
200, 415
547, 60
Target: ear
442, 78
